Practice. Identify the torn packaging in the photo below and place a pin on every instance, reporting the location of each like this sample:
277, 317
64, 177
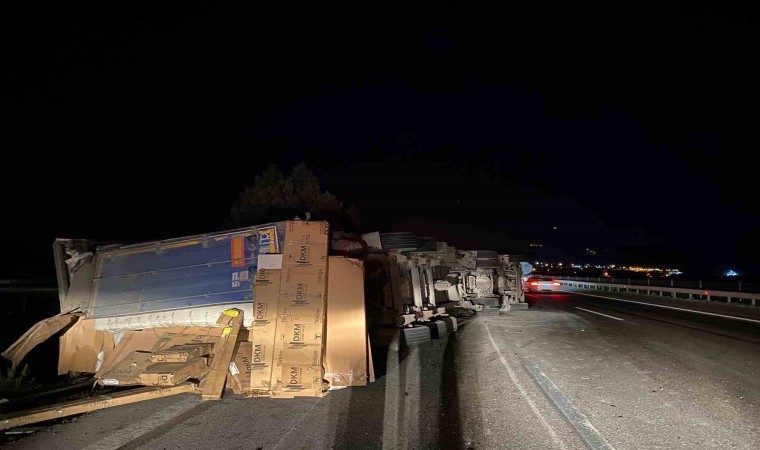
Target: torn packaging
157, 339
182, 353
169, 374
306, 243
346, 335
38, 333
191, 336
127, 371
131, 341
82, 348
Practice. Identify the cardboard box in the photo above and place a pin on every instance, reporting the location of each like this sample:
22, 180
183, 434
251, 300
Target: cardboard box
298, 377
266, 297
346, 334
262, 361
82, 348
303, 286
307, 355
181, 353
306, 243
127, 371
296, 332
297, 369
170, 374
239, 375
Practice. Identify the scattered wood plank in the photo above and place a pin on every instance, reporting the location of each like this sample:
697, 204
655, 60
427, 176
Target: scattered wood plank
74, 407
223, 353
370, 364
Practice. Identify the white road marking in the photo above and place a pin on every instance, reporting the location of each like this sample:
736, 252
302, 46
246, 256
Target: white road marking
598, 313
296, 424
580, 422
704, 313
524, 394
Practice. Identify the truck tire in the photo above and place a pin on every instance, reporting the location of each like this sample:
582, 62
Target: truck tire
488, 301
451, 324
489, 312
438, 329
416, 335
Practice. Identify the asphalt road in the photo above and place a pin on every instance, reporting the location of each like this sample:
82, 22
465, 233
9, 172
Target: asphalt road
571, 372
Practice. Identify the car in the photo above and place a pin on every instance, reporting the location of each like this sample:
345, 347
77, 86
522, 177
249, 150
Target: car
541, 284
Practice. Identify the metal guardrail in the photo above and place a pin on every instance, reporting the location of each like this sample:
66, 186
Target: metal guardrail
746, 298
728, 286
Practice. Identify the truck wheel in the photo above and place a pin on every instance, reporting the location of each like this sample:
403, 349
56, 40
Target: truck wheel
416, 335
438, 329
451, 324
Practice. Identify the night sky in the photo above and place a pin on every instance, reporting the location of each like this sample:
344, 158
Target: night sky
629, 130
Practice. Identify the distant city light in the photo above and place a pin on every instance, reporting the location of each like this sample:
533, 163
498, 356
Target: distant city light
731, 273
647, 271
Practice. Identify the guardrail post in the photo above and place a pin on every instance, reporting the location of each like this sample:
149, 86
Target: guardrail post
700, 284
629, 280
671, 282
740, 286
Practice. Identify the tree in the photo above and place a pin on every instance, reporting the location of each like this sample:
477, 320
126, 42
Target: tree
273, 196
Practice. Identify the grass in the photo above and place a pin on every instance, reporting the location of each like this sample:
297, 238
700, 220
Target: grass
16, 383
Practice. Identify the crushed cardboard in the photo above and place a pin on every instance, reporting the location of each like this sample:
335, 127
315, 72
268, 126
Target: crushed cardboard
172, 373
189, 336
131, 341
181, 353
127, 371
37, 334
82, 348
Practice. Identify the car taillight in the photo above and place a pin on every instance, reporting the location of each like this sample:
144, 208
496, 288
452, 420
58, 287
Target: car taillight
555, 284
534, 284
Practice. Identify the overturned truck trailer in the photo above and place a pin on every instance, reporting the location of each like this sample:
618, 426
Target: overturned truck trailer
415, 281
187, 281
